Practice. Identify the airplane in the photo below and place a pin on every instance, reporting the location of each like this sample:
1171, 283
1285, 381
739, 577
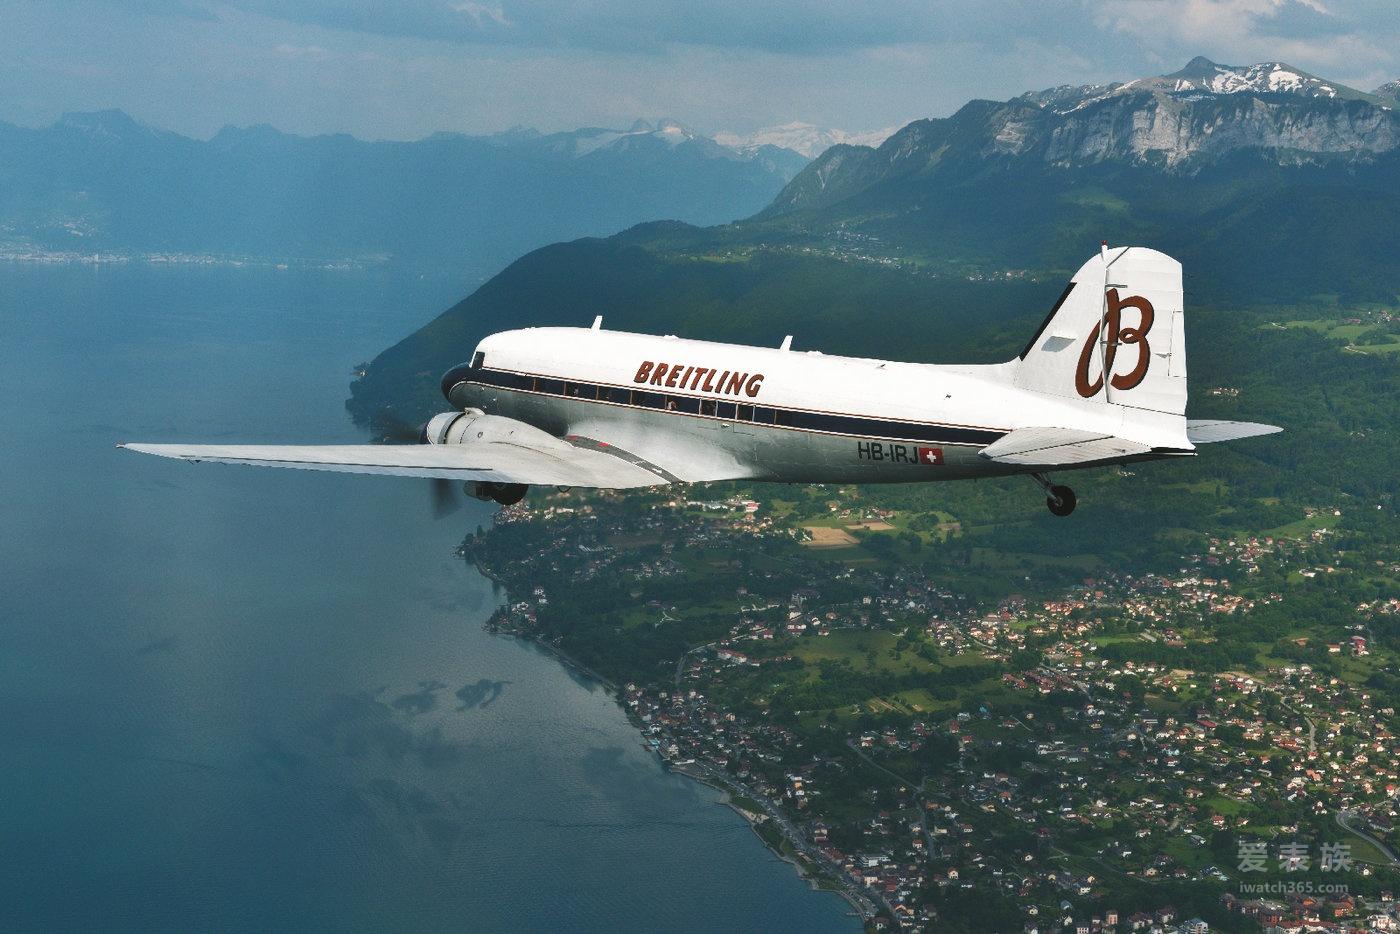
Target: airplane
1101, 382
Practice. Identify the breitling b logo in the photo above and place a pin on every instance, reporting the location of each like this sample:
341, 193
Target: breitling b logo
1117, 334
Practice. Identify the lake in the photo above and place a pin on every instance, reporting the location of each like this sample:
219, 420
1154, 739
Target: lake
246, 699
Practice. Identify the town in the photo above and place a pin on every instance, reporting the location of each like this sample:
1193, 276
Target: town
1103, 755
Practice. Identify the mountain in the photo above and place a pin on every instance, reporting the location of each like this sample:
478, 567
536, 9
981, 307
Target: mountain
1271, 164
1389, 92
103, 182
804, 138
1182, 123
951, 238
1203, 76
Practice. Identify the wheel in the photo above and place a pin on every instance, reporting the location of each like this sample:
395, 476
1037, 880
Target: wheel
1061, 500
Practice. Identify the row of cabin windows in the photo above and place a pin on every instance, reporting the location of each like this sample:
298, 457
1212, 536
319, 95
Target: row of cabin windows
718, 408
738, 411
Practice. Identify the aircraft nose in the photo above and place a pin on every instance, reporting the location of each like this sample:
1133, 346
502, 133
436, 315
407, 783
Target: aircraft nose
452, 377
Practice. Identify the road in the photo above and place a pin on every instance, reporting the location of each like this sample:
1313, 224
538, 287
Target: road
865, 904
1312, 727
1344, 816
919, 802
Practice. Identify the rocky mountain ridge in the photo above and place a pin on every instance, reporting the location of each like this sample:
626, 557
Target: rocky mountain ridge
1275, 193
1182, 123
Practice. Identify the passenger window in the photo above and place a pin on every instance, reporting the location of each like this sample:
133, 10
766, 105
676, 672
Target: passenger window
726, 410
651, 400
708, 407
745, 413
554, 387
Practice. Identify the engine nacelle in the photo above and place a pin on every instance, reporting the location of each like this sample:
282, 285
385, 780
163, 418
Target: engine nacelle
474, 426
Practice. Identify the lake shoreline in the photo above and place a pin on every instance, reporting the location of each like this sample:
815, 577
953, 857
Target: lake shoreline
495, 624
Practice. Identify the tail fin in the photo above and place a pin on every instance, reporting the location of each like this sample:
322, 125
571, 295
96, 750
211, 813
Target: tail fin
1116, 336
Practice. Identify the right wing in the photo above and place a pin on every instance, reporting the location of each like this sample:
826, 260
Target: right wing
543, 464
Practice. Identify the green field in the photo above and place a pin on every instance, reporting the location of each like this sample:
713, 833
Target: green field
1364, 338
865, 651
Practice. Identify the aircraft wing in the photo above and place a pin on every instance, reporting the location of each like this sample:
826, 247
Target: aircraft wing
1059, 447
1209, 431
558, 464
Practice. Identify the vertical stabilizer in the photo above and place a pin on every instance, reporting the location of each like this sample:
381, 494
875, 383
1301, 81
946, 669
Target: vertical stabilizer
1116, 336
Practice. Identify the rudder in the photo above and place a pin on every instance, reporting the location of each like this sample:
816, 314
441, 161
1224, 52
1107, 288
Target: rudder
1122, 315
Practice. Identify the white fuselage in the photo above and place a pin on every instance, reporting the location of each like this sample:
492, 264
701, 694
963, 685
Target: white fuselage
775, 414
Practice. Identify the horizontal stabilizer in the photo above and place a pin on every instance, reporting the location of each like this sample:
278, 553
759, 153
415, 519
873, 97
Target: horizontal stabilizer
1210, 431
1056, 447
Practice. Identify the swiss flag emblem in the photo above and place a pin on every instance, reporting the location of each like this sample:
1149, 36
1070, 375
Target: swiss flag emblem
933, 457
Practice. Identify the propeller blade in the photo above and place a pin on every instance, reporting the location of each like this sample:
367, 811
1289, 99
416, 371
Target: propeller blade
445, 498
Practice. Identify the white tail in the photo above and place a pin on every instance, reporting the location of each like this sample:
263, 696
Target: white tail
1117, 335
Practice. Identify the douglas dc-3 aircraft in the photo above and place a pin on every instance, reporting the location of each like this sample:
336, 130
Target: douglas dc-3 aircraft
1103, 381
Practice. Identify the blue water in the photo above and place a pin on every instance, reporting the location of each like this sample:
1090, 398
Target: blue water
240, 699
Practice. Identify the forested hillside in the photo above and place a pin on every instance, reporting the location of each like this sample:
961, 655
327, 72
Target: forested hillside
950, 241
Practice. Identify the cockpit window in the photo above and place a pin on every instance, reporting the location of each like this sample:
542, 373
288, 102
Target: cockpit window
478, 360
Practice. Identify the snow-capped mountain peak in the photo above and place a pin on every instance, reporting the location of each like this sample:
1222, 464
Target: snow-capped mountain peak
1203, 76
591, 139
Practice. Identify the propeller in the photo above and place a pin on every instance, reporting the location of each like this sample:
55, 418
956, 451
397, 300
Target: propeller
389, 428
446, 498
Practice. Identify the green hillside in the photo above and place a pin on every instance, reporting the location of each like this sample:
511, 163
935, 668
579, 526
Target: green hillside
949, 242
755, 295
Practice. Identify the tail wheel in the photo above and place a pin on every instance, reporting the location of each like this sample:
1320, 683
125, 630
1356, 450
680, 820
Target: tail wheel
1060, 500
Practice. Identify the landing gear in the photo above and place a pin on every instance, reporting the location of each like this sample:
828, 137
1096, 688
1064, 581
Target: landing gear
1061, 501
507, 494
1058, 499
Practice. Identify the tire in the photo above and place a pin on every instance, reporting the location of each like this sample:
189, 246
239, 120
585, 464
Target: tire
1061, 501
508, 494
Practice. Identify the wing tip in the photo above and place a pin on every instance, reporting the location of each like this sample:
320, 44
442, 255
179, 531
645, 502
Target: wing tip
1213, 431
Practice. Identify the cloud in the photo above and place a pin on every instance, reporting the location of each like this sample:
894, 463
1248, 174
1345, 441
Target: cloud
1301, 19
405, 68
1354, 38
639, 26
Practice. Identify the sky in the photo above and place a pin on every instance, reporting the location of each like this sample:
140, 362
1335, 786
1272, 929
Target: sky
402, 69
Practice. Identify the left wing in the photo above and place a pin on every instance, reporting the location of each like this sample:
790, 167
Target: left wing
538, 462
1209, 431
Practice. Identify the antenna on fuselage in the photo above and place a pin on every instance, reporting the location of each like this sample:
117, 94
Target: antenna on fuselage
787, 343
597, 323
